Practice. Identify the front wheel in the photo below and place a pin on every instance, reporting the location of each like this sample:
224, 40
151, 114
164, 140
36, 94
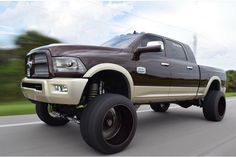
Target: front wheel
160, 107
108, 123
47, 114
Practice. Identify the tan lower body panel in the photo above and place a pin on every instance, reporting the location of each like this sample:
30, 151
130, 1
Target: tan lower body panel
148, 94
48, 94
201, 92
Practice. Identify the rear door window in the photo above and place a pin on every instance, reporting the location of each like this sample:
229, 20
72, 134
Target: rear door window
175, 50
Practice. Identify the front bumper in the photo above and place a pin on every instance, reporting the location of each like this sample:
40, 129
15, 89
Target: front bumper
43, 90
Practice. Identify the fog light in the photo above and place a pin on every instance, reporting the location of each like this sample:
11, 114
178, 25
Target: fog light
61, 88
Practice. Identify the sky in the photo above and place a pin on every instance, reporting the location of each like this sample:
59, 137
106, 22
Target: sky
93, 22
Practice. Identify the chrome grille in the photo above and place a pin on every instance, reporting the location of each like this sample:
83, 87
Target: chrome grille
41, 69
40, 58
37, 65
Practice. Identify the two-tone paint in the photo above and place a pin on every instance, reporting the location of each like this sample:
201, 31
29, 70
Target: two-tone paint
176, 80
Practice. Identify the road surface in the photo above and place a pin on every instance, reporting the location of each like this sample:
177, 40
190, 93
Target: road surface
178, 132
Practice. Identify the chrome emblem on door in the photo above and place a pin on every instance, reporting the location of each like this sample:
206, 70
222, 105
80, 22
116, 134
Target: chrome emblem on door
141, 70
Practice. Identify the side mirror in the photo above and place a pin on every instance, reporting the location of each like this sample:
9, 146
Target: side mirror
140, 50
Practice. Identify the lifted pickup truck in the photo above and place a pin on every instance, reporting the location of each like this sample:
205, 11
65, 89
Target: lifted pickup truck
100, 87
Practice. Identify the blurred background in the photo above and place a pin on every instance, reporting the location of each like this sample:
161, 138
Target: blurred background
207, 26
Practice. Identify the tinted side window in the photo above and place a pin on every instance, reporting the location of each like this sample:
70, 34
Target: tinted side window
190, 54
175, 50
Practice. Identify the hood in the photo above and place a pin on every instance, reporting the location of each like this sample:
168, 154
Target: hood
77, 50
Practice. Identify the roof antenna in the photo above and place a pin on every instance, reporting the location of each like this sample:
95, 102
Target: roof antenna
134, 32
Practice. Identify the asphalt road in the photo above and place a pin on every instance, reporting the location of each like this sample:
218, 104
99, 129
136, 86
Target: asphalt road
178, 132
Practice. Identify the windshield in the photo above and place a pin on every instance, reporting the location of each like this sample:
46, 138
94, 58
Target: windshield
122, 41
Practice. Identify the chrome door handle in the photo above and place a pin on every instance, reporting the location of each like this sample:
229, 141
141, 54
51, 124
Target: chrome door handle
165, 64
189, 68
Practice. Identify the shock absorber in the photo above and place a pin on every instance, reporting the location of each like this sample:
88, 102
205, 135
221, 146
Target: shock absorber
101, 88
93, 91
96, 89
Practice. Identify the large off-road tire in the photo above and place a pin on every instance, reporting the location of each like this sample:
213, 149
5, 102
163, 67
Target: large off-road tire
108, 123
44, 110
214, 106
160, 107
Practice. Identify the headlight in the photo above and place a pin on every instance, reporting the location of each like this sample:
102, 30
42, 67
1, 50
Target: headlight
68, 64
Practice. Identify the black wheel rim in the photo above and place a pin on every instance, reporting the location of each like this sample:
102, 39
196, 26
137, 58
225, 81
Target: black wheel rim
52, 112
117, 125
111, 124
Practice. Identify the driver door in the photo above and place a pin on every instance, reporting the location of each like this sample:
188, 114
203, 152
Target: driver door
152, 75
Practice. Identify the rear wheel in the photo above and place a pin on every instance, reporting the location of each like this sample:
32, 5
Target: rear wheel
160, 107
214, 106
108, 123
47, 114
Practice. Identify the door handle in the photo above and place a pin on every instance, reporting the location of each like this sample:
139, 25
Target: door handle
165, 64
189, 68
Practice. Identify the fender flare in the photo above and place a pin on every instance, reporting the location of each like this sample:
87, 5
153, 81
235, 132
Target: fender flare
114, 67
213, 78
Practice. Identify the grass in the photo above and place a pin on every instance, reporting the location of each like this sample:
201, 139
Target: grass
16, 108
26, 107
230, 94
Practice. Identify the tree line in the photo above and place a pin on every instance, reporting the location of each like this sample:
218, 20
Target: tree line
231, 81
12, 63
